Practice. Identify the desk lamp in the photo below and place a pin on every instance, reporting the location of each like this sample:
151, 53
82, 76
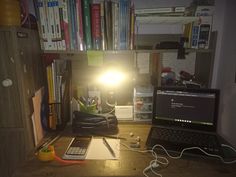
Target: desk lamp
111, 79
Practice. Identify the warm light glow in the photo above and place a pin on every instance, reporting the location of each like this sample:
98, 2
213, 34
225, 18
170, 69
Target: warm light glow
112, 78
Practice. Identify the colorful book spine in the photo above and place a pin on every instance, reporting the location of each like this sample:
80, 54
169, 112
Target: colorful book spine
188, 34
70, 24
63, 42
87, 24
122, 25
103, 42
96, 26
51, 26
132, 30
79, 31
57, 24
115, 23
41, 5
73, 24
65, 23
108, 24
127, 24
50, 85
195, 35
204, 32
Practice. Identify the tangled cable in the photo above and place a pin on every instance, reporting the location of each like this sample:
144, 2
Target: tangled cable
159, 160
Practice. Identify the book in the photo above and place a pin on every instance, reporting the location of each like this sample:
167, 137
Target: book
58, 38
73, 24
108, 24
96, 26
204, 32
179, 9
115, 25
188, 34
121, 25
103, 38
50, 83
80, 32
41, 6
124, 17
204, 11
69, 10
132, 30
60, 8
201, 31
87, 24
65, 23
51, 26
195, 34
127, 28
154, 10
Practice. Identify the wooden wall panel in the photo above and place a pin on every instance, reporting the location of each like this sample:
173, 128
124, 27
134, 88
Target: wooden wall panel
19, 61
9, 100
12, 151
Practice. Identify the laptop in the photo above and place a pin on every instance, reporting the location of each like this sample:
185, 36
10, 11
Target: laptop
184, 118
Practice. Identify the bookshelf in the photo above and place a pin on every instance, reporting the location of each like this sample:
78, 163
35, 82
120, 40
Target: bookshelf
116, 47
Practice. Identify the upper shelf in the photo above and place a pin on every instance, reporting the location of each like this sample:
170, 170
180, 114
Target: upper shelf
165, 20
71, 52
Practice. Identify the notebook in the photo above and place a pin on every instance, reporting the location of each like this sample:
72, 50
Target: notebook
184, 118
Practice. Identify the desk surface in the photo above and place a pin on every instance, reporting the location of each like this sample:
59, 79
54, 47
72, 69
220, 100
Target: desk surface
129, 164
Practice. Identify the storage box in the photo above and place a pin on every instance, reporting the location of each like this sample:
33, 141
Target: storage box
143, 103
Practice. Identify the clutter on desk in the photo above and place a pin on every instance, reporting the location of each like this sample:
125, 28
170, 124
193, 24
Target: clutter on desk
183, 79
90, 123
46, 154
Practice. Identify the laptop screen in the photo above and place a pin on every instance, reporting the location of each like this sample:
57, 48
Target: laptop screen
187, 108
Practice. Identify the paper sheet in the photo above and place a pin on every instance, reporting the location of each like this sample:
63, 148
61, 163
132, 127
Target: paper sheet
36, 118
98, 151
95, 58
143, 62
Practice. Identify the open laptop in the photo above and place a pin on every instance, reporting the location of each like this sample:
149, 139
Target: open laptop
184, 118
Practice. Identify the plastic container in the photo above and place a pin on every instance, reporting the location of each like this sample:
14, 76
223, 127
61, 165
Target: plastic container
10, 13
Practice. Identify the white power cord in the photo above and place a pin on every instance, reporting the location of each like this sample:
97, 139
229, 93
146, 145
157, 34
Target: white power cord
192, 148
154, 164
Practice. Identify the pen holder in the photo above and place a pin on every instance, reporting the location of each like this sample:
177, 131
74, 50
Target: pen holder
46, 154
87, 108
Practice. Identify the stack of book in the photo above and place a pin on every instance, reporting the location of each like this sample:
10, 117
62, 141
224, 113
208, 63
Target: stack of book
198, 32
85, 24
161, 11
58, 87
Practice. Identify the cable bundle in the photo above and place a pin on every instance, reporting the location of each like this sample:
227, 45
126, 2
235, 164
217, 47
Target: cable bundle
94, 123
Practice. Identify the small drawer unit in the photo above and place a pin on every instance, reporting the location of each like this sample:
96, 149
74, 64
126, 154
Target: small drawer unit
143, 103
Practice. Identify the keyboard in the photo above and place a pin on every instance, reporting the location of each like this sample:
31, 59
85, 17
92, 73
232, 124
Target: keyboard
177, 140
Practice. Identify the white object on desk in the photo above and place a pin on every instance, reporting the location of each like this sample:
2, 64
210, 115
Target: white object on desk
124, 112
98, 151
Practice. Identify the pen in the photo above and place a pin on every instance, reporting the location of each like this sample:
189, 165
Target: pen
108, 147
47, 143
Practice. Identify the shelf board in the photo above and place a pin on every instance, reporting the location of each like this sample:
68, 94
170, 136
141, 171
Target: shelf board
126, 51
173, 50
74, 52
143, 112
165, 20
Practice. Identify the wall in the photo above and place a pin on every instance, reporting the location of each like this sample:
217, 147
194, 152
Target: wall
218, 25
225, 79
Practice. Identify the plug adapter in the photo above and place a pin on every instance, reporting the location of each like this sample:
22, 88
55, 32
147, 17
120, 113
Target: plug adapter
155, 165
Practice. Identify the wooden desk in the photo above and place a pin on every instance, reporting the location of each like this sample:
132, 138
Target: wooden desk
129, 164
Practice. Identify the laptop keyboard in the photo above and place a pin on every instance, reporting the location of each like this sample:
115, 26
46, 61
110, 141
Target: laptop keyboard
183, 139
